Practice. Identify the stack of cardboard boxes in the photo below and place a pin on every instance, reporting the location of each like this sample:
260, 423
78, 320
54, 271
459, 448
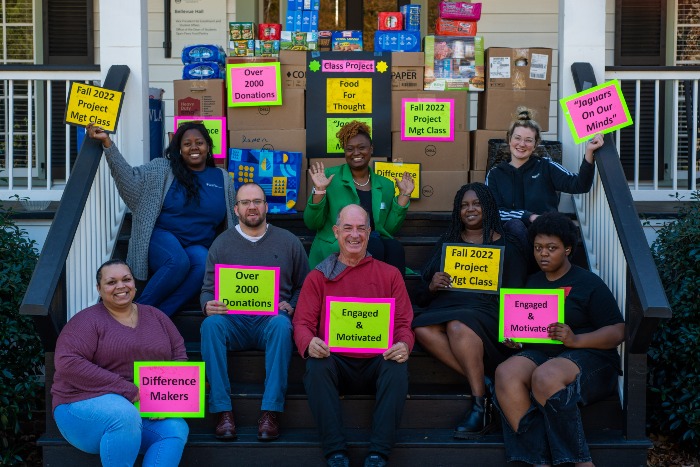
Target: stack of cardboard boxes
514, 77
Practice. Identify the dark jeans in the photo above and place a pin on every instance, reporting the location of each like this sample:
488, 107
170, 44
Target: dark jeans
553, 433
388, 250
518, 229
326, 378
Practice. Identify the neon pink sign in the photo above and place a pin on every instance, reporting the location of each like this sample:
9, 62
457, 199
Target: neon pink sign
348, 66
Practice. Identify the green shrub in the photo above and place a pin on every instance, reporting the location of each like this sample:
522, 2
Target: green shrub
20, 347
674, 356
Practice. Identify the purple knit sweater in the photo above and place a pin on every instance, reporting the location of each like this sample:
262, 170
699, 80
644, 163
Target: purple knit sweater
95, 354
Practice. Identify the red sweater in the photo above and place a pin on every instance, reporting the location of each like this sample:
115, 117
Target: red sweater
95, 354
369, 279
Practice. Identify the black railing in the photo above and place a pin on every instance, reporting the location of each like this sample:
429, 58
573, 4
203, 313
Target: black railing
45, 298
646, 299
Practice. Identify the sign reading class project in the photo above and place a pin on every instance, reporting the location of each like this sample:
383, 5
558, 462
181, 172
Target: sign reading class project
473, 268
170, 389
247, 290
395, 170
216, 127
600, 109
93, 104
359, 325
253, 84
346, 86
525, 314
427, 119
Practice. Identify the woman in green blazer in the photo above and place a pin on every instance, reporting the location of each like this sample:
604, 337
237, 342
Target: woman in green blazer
355, 183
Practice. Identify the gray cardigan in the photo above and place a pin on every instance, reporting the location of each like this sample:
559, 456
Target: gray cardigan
143, 189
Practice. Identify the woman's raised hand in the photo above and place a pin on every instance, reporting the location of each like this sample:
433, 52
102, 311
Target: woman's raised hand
96, 132
406, 184
318, 176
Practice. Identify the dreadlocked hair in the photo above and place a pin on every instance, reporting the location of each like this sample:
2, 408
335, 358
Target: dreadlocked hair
524, 119
185, 177
491, 220
352, 129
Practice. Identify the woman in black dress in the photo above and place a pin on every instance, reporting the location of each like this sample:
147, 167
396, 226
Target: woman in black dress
461, 329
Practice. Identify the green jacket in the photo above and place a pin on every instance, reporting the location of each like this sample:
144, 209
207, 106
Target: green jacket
388, 215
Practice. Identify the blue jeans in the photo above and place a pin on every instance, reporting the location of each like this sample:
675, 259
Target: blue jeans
273, 334
177, 272
553, 433
111, 426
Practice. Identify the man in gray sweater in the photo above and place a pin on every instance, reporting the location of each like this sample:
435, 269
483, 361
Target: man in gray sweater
253, 242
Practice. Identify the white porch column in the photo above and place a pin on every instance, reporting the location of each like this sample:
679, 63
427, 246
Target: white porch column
124, 41
581, 39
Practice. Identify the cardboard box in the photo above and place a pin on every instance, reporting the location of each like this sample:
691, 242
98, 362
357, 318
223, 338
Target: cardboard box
346, 41
454, 63
288, 116
297, 40
460, 109
293, 69
433, 155
497, 107
479, 145
267, 48
508, 68
407, 71
202, 97
477, 176
438, 189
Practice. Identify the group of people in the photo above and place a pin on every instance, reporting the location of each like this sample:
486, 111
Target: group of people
188, 219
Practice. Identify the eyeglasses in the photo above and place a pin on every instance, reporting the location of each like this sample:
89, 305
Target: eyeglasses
360, 229
246, 202
526, 141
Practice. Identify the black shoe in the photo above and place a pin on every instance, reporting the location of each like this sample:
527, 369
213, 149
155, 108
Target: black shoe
375, 460
339, 459
477, 421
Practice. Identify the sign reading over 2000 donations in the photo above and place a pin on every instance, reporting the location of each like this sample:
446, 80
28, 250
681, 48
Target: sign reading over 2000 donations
359, 325
253, 84
92, 104
247, 290
170, 389
525, 314
473, 268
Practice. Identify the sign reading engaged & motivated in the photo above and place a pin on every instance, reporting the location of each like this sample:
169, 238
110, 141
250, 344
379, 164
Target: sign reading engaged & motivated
427, 119
359, 325
216, 127
473, 268
525, 314
253, 84
170, 389
600, 109
247, 290
93, 104
394, 171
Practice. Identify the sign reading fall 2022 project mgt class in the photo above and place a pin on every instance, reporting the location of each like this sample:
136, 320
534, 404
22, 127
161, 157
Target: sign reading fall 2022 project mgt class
93, 104
346, 86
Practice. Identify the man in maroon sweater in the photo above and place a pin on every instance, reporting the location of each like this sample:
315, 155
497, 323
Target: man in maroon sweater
353, 273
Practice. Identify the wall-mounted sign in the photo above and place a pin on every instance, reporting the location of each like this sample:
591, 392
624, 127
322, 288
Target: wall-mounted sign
197, 22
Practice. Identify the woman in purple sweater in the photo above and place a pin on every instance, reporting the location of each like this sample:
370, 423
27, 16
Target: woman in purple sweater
93, 391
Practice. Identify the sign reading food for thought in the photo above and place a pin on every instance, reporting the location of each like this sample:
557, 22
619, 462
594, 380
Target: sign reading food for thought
359, 325
170, 389
248, 290
525, 314
473, 268
93, 104
427, 119
253, 84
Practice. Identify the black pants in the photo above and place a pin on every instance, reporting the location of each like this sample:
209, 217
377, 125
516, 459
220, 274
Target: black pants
326, 378
388, 250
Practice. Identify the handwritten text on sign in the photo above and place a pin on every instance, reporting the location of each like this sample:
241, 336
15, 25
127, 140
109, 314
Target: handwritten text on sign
359, 325
600, 109
525, 314
216, 127
427, 119
253, 84
246, 289
472, 268
170, 389
349, 95
92, 104
395, 170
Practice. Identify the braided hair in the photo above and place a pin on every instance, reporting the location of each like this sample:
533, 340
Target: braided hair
352, 129
491, 220
185, 177
524, 119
